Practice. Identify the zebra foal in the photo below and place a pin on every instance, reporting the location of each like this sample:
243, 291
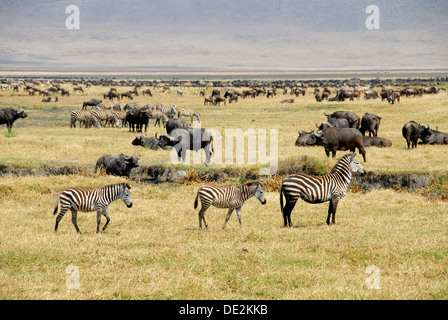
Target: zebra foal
318, 189
232, 198
87, 200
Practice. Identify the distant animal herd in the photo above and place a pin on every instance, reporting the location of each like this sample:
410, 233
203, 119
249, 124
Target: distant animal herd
342, 130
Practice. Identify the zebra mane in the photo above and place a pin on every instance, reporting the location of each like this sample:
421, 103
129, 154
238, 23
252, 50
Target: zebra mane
124, 184
250, 183
345, 159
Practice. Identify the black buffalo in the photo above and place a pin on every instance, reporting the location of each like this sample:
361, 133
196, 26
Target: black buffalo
175, 123
376, 142
411, 132
432, 136
146, 142
183, 139
304, 140
137, 118
351, 117
118, 165
334, 139
9, 115
371, 123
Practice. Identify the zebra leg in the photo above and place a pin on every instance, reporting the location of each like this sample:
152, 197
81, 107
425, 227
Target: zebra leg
287, 212
107, 221
202, 217
229, 213
332, 210
238, 213
59, 217
74, 219
98, 220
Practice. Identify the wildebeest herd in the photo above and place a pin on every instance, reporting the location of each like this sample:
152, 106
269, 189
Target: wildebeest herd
342, 130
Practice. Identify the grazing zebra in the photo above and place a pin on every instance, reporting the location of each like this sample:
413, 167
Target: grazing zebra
119, 117
158, 115
105, 115
87, 200
170, 112
85, 117
227, 197
189, 113
317, 189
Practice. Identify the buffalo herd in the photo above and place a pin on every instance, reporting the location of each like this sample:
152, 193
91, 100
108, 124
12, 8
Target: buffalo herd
344, 130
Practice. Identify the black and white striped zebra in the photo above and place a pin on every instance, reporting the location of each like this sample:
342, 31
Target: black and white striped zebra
317, 189
158, 115
189, 113
85, 117
232, 198
107, 116
87, 200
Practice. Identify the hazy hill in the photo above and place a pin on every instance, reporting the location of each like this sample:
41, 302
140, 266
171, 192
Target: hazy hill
223, 34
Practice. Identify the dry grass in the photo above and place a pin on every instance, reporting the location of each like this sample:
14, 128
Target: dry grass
155, 251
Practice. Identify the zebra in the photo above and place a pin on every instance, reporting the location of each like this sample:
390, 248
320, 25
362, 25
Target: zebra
189, 113
107, 116
318, 189
87, 200
158, 115
119, 117
83, 116
227, 197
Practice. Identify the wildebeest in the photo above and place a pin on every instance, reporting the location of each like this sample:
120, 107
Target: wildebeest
351, 117
208, 100
287, 101
127, 95
334, 139
376, 142
218, 100
91, 103
9, 115
111, 95
120, 165
183, 139
432, 136
371, 94
50, 99
411, 132
370, 122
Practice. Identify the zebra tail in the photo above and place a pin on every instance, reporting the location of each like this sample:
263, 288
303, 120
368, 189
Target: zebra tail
56, 206
281, 198
196, 201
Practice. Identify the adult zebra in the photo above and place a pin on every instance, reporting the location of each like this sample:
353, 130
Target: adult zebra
85, 117
87, 200
189, 113
227, 197
317, 189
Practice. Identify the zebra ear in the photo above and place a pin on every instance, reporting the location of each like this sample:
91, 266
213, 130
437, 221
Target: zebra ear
352, 156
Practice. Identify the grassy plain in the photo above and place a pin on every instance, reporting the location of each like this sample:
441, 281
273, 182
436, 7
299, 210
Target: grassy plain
155, 251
